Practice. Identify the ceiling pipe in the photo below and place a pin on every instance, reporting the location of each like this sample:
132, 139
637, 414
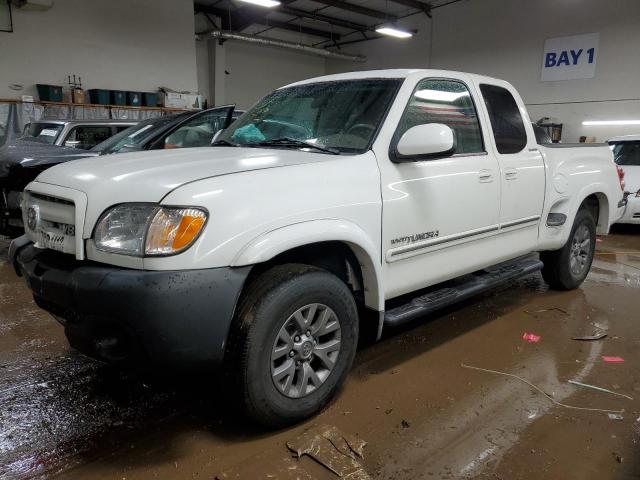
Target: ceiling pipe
272, 42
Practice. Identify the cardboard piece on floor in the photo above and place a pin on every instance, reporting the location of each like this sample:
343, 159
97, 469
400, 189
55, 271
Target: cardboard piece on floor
332, 449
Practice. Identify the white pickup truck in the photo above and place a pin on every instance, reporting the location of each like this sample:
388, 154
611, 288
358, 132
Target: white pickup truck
335, 205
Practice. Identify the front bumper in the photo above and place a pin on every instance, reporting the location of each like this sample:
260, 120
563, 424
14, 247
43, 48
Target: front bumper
10, 213
117, 314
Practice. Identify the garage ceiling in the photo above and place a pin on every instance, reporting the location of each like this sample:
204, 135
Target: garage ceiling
324, 23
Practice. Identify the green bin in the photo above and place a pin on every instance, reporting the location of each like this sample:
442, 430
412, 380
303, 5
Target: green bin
118, 97
134, 99
98, 96
150, 99
49, 93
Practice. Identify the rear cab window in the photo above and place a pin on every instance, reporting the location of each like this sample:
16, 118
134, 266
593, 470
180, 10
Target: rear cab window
626, 153
86, 137
509, 133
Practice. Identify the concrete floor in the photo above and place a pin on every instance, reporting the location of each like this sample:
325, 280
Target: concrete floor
422, 414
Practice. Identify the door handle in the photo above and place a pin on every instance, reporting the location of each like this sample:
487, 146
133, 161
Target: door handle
485, 176
511, 174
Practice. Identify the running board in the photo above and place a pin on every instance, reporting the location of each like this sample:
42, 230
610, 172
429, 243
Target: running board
472, 284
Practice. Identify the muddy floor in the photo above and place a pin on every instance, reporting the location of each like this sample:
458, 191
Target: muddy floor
411, 397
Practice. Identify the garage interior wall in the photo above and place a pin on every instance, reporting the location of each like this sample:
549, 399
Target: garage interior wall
505, 39
118, 44
246, 72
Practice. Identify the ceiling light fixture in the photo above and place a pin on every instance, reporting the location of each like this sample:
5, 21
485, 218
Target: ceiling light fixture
263, 3
394, 32
610, 122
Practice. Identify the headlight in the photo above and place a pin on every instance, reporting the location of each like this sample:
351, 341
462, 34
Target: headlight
144, 229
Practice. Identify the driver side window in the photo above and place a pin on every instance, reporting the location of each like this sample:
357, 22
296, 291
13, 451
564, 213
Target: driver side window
448, 102
197, 132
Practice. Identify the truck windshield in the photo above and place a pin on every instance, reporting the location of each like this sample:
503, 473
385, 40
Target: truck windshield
42, 132
340, 116
626, 153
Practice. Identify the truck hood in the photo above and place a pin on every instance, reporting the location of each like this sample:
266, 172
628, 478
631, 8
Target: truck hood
149, 176
28, 153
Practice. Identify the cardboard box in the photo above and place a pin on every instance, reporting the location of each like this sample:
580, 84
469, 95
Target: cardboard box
182, 100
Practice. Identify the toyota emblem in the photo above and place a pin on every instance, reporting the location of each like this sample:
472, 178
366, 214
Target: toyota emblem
33, 217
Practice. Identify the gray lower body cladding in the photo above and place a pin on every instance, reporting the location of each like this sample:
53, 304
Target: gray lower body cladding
118, 315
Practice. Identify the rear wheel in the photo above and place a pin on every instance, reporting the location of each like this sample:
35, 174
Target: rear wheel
292, 343
566, 269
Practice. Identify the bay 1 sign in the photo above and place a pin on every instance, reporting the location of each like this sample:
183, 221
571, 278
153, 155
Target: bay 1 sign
568, 58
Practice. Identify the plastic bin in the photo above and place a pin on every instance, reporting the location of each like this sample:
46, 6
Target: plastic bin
118, 97
134, 99
150, 99
98, 96
49, 93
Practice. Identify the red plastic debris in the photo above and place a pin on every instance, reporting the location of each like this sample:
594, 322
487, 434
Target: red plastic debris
531, 337
612, 359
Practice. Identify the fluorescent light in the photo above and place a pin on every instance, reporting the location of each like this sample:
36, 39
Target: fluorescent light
394, 32
263, 3
610, 122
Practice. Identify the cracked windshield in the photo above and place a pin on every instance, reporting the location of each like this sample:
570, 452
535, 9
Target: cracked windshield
333, 117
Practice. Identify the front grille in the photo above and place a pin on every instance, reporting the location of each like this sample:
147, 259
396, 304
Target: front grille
636, 215
49, 198
49, 222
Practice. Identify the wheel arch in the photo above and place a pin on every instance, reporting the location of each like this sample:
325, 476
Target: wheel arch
322, 243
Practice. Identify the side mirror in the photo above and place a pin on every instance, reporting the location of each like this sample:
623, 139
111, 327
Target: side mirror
72, 143
425, 141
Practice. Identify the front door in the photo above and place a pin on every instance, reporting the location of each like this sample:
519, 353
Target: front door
437, 212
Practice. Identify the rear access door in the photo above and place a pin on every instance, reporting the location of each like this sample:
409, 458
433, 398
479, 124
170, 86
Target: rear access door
522, 171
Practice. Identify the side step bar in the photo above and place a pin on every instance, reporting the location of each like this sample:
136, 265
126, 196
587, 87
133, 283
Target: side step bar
472, 284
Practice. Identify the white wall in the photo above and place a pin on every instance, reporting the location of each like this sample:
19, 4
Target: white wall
115, 44
253, 70
505, 38
390, 52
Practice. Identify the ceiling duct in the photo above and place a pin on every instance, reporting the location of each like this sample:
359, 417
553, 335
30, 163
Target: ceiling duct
272, 42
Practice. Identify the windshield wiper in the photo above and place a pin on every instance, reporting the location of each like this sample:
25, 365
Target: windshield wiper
293, 142
226, 143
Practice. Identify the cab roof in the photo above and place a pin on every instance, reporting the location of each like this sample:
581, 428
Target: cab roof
399, 73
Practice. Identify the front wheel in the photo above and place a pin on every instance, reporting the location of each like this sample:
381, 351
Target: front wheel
566, 269
292, 343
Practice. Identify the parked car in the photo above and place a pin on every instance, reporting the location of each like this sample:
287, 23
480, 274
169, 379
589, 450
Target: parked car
626, 154
82, 134
333, 206
22, 161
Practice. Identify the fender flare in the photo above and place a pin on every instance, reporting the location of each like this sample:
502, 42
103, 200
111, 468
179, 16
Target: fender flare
599, 190
572, 204
272, 243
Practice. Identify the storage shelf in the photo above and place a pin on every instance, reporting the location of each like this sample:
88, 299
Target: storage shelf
93, 105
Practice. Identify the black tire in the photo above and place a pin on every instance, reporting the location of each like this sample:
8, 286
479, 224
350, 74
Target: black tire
557, 270
269, 301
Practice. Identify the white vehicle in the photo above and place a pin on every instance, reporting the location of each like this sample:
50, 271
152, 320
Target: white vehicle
626, 154
334, 205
